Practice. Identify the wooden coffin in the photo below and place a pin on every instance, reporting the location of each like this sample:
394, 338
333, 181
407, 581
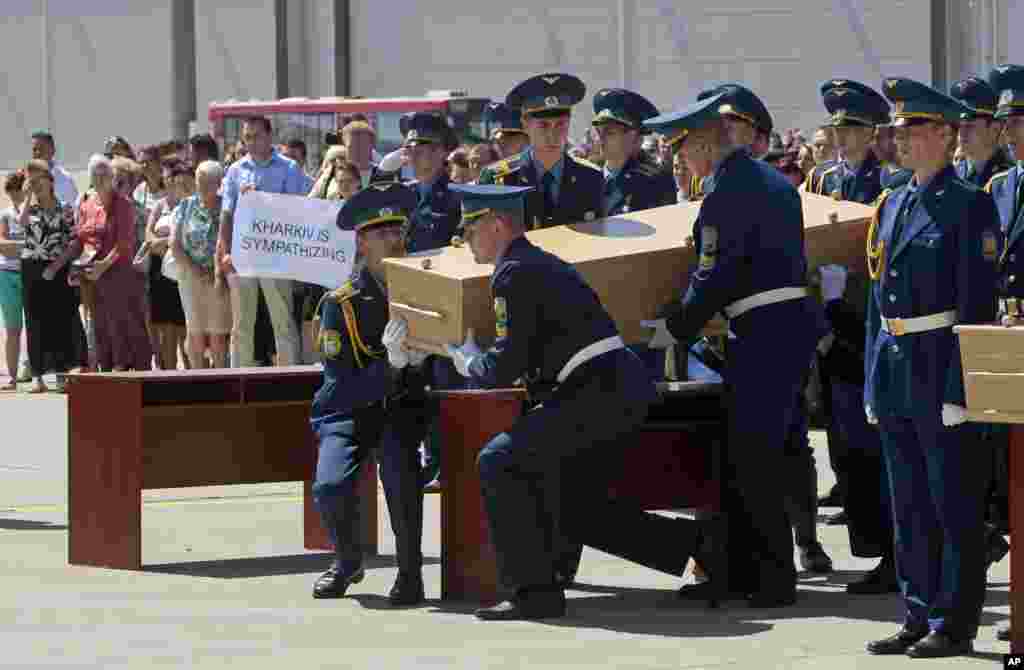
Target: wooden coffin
636, 263
993, 364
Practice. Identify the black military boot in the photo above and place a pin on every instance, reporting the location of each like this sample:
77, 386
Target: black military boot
813, 557
407, 590
881, 579
898, 643
334, 583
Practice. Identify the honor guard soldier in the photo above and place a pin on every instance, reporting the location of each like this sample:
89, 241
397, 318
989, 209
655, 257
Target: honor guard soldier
547, 477
823, 148
932, 252
749, 124
979, 132
507, 132
633, 180
750, 235
372, 399
567, 189
1006, 190
855, 110
437, 211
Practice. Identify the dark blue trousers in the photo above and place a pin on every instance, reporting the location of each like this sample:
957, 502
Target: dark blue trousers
937, 479
394, 435
545, 481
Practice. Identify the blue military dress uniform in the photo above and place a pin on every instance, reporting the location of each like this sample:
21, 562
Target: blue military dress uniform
932, 255
436, 217
753, 268
640, 183
366, 405
546, 478
571, 191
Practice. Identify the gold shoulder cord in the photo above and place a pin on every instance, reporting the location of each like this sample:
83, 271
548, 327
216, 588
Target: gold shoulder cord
359, 348
876, 247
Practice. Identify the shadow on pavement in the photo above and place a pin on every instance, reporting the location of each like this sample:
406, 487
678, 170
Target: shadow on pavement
268, 566
25, 524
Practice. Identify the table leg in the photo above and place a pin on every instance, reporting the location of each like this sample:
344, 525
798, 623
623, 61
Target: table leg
1016, 526
105, 475
468, 420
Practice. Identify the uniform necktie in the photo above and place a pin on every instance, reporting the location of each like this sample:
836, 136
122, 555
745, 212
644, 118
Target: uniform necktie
548, 182
904, 215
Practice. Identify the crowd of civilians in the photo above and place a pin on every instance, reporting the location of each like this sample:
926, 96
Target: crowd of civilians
133, 273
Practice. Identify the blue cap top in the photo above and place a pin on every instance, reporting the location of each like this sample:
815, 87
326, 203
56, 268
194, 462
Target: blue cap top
978, 95
621, 106
377, 204
913, 102
481, 199
675, 126
426, 128
1008, 81
551, 94
851, 103
742, 103
503, 119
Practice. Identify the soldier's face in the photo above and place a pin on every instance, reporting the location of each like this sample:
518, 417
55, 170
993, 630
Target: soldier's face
885, 145
510, 144
426, 158
823, 147
696, 152
482, 238
1013, 133
548, 134
617, 141
922, 145
853, 140
381, 242
978, 138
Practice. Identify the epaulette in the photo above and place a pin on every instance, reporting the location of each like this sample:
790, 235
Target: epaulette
584, 162
1000, 175
647, 168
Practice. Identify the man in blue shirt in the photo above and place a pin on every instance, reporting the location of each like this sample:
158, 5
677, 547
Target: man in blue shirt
262, 169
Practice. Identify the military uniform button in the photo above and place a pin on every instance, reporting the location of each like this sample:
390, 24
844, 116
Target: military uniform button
892, 297
1013, 278
1013, 257
895, 348
894, 273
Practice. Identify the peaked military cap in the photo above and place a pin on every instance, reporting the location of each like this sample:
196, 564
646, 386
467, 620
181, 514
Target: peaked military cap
503, 119
675, 126
376, 205
551, 94
742, 103
426, 128
978, 95
481, 199
622, 106
913, 101
851, 103
1008, 81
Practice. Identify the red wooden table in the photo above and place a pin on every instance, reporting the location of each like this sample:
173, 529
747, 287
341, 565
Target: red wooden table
131, 431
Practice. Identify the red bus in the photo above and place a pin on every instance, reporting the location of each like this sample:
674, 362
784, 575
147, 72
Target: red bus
310, 119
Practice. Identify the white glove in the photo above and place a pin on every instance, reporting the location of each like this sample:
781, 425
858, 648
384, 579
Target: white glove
833, 281
872, 419
392, 162
662, 339
463, 356
953, 415
393, 340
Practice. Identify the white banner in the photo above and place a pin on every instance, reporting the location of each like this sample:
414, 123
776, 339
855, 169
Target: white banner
291, 237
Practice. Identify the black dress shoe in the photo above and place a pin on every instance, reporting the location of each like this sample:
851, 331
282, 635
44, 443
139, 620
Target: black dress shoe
837, 519
407, 591
1004, 632
898, 643
939, 645
333, 584
814, 559
771, 599
527, 606
882, 579
997, 548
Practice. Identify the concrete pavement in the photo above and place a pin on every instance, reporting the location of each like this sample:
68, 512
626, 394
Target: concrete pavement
227, 584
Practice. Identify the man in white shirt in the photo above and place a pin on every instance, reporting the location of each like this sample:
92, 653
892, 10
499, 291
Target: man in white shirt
43, 148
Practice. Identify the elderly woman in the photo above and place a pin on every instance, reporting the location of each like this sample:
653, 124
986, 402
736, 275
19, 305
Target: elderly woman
105, 238
194, 241
328, 183
166, 314
49, 300
11, 238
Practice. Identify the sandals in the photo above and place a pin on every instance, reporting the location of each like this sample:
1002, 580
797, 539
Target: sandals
10, 386
38, 387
